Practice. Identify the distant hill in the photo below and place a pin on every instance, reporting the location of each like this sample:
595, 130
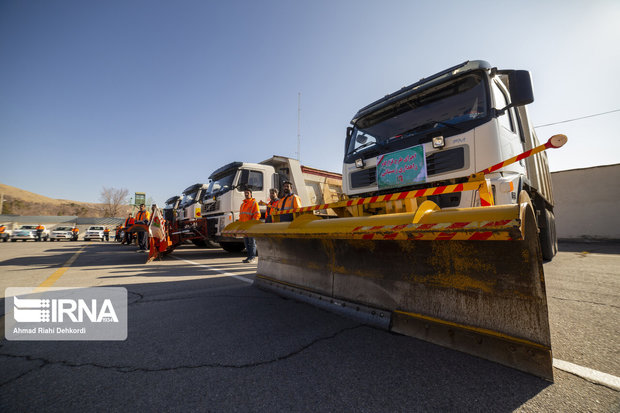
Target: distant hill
20, 202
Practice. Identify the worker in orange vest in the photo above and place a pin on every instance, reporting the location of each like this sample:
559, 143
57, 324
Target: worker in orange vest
271, 205
249, 212
106, 234
40, 229
129, 221
142, 217
75, 231
290, 201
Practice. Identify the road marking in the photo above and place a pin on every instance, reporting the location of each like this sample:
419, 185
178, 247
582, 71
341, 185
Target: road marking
594, 376
59, 272
238, 277
44, 286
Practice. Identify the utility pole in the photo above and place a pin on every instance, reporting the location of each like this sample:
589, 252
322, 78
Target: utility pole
1, 203
299, 126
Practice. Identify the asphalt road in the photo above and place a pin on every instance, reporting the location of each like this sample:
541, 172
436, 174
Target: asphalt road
202, 338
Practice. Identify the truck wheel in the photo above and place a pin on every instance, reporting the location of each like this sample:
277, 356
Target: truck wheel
232, 246
548, 237
200, 243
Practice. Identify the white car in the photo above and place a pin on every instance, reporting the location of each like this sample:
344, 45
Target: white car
60, 233
29, 232
94, 232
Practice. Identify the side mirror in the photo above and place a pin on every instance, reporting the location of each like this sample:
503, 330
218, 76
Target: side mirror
348, 139
520, 84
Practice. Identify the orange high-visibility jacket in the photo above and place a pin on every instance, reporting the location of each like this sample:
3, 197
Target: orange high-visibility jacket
143, 216
40, 228
289, 202
2, 228
273, 204
249, 210
107, 230
75, 229
129, 222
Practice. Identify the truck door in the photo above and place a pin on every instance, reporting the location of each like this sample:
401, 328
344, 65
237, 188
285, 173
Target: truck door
511, 142
256, 181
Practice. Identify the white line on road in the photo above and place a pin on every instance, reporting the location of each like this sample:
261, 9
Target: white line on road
594, 376
238, 277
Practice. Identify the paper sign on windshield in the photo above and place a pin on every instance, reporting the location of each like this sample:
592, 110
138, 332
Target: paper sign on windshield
401, 168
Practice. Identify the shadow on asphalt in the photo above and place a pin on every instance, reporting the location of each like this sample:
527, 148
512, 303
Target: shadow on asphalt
213, 335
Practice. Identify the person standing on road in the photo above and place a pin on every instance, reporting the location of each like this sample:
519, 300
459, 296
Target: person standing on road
272, 205
75, 232
290, 201
106, 234
39, 232
142, 217
128, 223
249, 212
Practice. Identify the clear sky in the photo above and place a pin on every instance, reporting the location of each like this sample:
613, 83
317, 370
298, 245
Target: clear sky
153, 95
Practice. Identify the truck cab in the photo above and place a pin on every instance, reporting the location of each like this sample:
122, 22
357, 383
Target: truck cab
455, 123
190, 205
226, 193
170, 208
223, 199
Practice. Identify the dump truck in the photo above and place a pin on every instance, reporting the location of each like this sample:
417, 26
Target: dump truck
223, 199
439, 239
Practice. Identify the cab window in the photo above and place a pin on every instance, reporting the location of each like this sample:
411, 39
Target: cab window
501, 102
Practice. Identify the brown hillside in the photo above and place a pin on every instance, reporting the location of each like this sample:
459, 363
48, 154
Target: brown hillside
20, 202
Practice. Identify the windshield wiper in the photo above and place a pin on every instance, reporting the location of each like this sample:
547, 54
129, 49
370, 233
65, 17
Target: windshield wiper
367, 144
430, 125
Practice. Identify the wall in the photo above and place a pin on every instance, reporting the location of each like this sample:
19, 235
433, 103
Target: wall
587, 202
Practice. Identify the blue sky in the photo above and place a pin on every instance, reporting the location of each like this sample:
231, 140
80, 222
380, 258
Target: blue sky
153, 96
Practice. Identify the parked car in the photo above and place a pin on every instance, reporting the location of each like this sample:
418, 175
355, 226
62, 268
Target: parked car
94, 232
29, 232
5, 233
60, 233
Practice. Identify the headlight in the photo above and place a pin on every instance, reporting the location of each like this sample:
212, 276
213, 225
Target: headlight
438, 142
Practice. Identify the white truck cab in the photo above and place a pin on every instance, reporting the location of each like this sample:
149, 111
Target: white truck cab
460, 121
190, 206
225, 194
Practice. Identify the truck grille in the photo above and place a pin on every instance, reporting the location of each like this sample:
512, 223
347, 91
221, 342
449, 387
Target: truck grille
445, 161
214, 206
363, 178
436, 163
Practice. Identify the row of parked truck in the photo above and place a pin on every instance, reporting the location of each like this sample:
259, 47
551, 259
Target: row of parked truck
202, 211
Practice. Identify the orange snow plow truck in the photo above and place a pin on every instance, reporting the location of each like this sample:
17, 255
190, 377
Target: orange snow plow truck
448, 219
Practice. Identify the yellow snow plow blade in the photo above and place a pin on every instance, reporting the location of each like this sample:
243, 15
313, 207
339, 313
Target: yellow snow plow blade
468, 279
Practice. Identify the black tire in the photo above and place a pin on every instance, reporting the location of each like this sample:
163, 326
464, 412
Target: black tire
13, 240
200, 243
548, 237
232, 246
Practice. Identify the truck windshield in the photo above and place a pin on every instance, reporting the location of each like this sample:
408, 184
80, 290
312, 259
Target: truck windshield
414, 120
188, 199
221, 185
